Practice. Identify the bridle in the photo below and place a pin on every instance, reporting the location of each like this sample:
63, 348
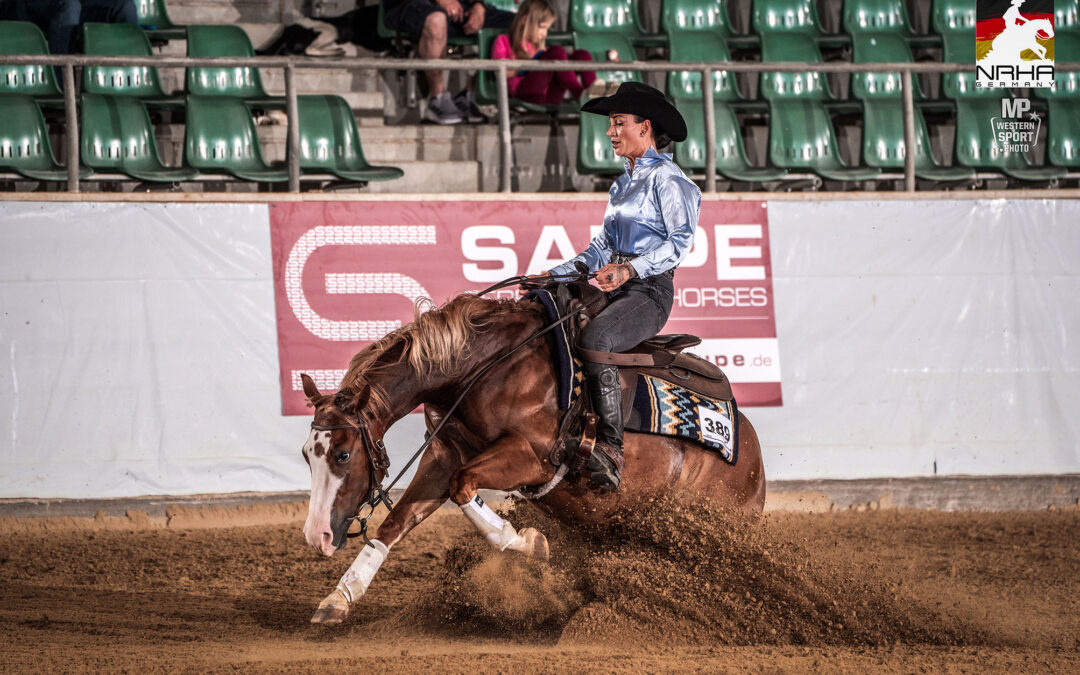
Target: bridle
376, 449
378, 462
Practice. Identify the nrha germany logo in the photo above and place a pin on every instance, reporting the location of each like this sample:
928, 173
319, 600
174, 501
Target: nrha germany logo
1014, 43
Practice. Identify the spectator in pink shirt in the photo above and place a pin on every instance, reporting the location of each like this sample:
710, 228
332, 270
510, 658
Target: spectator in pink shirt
528, 40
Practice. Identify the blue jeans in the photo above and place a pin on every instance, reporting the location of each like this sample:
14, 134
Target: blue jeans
638, 310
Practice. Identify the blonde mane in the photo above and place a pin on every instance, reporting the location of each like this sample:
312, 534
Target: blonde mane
434, 342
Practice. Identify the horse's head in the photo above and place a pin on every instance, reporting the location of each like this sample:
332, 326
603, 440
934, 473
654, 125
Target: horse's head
1043, 28
346, 465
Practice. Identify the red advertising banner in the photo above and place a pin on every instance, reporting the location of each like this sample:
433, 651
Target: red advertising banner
347, 273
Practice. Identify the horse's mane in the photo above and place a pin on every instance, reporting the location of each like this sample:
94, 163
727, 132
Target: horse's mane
432, 343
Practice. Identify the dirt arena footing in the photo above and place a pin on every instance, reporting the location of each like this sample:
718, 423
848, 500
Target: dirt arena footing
945, 493
205, 587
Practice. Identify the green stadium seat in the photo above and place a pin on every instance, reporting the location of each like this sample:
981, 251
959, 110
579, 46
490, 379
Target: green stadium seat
707, 16
802, 137
330, 141
975, 143
801, 132
1067, 17
1063, 123
796, 48
680, 18
883, 111
154, 18
954, 21
877, 16
883, 48
117, 136
705, 47
612, 16
236, 82
685, 89
883, 129
505, 5
121, 39
23, 37
883, 17
778, 19
731, 161
221, 138
595, 155
24, 141
599, 44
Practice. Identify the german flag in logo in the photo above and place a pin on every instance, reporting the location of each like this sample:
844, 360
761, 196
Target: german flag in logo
1012, 31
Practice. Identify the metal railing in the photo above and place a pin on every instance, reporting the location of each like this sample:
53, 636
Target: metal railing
501, 67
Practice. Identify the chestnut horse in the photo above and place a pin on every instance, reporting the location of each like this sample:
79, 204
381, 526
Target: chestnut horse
499, 438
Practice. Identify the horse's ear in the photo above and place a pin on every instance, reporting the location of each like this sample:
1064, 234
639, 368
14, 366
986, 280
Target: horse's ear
310, 390
357, 401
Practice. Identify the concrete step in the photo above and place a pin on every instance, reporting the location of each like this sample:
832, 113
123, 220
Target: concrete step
437, 170
419, 142
393, 144
261, 33
322, 81
258, 33
364, 103
432, 176
233, 11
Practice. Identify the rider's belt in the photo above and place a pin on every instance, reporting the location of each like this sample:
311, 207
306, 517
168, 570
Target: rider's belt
619, 258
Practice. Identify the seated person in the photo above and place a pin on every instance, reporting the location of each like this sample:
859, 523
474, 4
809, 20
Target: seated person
528, 40
435, 21
328, 35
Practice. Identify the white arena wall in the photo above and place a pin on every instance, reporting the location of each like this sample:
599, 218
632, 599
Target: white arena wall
916, 338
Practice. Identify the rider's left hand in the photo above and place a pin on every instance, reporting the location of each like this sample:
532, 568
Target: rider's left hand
611, 276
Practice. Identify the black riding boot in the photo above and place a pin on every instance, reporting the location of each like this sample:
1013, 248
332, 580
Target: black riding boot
606, 464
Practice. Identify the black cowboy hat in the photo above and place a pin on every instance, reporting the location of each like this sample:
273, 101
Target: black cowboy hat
636, 98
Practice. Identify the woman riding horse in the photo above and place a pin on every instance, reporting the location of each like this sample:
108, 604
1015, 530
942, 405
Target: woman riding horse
649, 225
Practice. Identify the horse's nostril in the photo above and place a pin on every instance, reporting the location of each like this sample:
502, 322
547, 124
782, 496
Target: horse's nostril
327, 539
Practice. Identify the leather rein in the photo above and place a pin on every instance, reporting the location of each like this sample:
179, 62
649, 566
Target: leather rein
376, 449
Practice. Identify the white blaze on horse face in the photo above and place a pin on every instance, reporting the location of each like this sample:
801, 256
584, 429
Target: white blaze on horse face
324, 489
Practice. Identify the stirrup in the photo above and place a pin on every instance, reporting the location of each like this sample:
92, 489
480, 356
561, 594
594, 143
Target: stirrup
605, 467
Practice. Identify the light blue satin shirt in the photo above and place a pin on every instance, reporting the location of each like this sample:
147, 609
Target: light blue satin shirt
651, 212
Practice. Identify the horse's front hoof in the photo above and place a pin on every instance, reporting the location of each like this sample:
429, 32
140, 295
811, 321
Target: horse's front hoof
536, 545
332, 610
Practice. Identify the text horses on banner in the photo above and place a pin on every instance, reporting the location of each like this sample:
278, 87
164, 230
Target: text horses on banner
345, 274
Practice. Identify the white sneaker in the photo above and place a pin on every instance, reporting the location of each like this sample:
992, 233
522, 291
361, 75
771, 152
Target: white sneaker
441, 110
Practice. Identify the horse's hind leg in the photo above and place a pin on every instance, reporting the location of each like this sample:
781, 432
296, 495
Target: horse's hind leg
506, 465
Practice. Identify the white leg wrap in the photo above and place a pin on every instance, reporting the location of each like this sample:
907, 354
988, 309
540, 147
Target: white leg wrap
499, 533
359, 575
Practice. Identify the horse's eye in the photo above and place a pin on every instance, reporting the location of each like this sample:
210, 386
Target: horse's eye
343, 457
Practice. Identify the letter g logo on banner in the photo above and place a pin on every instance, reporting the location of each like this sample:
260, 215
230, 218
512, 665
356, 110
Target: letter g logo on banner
353, 283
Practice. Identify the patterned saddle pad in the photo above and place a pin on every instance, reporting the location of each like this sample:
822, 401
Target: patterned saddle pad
666, 409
